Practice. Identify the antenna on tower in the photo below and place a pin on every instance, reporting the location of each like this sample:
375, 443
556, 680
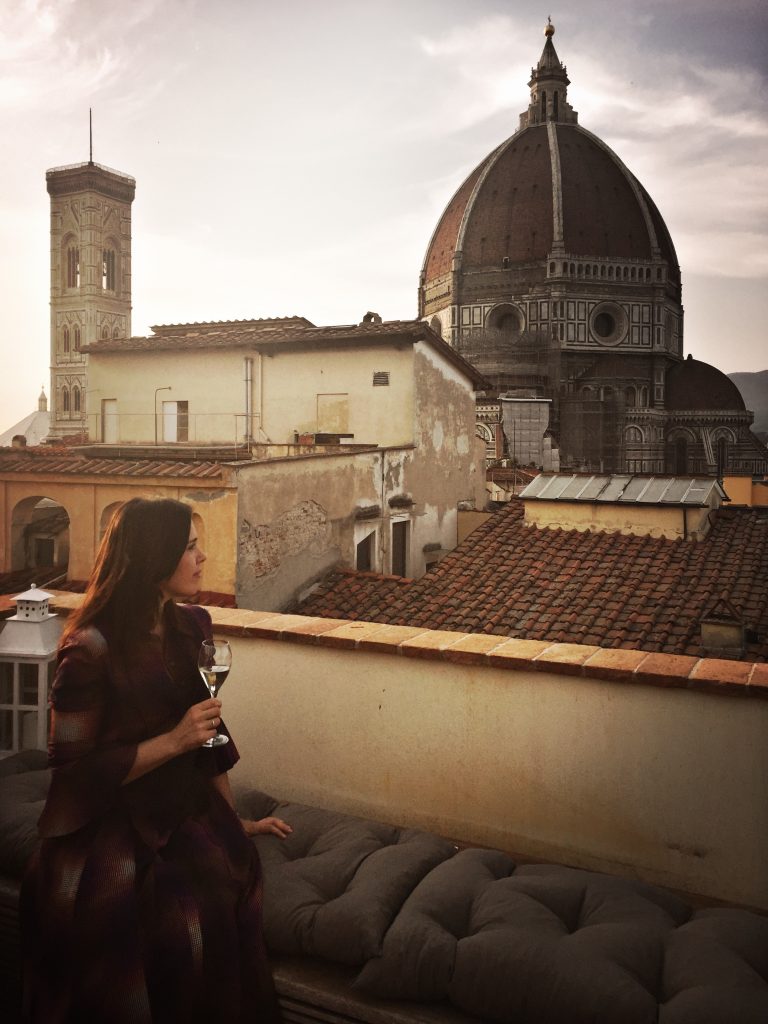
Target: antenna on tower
90, 135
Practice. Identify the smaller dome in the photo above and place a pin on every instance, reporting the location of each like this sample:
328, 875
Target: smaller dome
695, 385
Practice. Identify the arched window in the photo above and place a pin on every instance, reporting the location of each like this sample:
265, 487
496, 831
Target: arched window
76, 398
634, 435
722, 456
65, 338
556, 105
681, 456
77, 339
104, 332
644, 397
65, 399
544, 105
108, 270
631, 397
116, 331
73, 267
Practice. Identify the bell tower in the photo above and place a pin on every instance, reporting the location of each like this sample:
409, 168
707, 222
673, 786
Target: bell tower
90, 279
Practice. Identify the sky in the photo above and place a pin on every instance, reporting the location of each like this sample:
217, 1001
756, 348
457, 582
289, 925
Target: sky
293, 158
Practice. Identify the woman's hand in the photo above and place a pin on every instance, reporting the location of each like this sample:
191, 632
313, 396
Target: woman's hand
198, 725
266, 826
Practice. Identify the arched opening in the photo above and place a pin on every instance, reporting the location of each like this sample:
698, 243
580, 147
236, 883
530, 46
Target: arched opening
505, 319
437, 325
40, 539
76, 333
65, 399
631, 397
556, 105
115, 331
104, 333
65, 339
680, 467
108, 271
544, 105
76, 399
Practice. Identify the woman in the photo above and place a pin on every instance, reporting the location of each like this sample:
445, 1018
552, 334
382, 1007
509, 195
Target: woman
144, 902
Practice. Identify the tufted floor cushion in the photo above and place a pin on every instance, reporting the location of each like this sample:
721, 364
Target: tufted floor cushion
543, 944
335, 885
23, 789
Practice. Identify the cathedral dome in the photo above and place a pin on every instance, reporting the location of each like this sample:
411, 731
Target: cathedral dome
549, 187
553, 200
695, 385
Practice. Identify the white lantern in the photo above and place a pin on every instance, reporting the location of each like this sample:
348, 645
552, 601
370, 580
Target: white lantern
28, 642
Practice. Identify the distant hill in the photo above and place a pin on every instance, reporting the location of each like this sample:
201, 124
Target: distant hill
754, 391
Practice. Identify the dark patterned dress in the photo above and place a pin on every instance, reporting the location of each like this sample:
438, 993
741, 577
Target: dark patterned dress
143, 905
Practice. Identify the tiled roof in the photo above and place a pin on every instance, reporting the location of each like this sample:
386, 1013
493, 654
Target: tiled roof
287, 332
607, 589
46, 460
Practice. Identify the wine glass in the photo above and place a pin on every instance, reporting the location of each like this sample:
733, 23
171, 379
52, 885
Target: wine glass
214, 662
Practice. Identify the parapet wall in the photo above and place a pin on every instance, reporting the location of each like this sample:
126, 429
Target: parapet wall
644, 765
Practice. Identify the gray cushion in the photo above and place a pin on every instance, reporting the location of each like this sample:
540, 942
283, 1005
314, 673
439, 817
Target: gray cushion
23, 761
543, 944
22, 798
333, 887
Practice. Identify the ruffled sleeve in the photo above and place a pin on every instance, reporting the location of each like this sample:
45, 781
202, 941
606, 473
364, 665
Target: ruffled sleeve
88, 758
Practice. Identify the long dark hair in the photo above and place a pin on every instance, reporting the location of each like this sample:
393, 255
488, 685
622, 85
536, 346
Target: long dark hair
140, 549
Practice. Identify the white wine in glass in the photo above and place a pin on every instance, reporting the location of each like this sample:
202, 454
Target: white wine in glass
214, 663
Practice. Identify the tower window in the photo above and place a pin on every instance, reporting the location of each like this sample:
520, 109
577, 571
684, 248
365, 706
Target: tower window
66, 339
77, 339
76, 398
73, 267
65, 399
108, 270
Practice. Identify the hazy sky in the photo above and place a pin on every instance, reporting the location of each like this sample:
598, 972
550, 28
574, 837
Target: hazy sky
293, 156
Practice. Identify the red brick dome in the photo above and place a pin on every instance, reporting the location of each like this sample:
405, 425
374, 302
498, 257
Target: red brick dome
551, 185
695, 385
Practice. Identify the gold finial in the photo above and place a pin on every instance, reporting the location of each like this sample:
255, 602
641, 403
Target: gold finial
549, 28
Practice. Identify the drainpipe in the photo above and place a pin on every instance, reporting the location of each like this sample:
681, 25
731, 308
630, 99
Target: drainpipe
260, 399
248, 368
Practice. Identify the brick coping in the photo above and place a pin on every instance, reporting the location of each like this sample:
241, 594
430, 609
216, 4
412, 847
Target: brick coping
615, 664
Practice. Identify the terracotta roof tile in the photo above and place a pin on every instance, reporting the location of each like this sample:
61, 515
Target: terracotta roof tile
46, 460
601, 589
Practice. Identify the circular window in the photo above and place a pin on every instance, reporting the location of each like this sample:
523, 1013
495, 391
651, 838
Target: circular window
605, 325
506, 318
608, 323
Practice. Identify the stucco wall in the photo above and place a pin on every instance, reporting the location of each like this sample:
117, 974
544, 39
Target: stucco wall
216, 399
296, 520
643, 520
743, 490
284, 393
383, 416
649, 782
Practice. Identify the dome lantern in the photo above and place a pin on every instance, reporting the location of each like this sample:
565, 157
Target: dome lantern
549, 88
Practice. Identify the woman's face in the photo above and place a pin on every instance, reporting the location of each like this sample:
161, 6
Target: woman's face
185, 581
